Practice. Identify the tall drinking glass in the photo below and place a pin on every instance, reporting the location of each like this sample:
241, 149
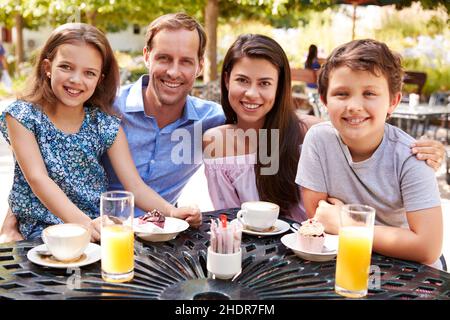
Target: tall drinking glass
117, 237
355, 250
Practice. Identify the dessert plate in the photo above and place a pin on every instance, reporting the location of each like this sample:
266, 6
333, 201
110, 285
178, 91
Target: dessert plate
329, 250
150, 232
279, 228
91, 254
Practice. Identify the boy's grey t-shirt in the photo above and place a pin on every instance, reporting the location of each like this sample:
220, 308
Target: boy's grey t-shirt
392, 180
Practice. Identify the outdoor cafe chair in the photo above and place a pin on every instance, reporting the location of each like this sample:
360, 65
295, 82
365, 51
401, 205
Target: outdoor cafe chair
417, 79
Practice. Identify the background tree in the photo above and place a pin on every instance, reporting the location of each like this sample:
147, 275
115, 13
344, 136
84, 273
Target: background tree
22, 14
116, 15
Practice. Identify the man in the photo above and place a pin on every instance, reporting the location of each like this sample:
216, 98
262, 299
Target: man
162, 122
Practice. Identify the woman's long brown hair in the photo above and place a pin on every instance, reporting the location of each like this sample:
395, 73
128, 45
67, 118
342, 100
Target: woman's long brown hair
279, 188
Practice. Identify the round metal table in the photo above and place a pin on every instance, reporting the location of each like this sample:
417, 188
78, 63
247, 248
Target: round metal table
176, 269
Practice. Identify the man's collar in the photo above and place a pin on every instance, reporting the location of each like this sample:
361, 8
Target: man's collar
135, 100
189, 111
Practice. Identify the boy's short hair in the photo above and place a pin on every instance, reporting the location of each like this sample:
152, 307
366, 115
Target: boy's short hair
176, 21
364, 55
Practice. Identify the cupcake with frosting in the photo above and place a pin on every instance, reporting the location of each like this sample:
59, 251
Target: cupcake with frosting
311, 236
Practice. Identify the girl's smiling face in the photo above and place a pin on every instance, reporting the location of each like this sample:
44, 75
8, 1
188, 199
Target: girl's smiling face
74, 73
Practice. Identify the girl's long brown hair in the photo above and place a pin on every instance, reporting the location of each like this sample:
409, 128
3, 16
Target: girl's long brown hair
279, 188
40, 91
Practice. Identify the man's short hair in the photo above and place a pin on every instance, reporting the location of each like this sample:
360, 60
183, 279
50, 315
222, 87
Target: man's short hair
176, 21
364, 55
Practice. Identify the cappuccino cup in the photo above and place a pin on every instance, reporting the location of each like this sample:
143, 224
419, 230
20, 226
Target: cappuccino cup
258, 215
67, 241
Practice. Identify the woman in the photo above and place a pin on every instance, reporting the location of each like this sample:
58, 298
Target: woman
243, 156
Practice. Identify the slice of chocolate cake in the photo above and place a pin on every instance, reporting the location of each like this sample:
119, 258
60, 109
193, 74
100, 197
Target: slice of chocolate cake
155, 217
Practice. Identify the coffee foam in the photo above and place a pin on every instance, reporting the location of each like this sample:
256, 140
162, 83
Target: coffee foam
66, 231
260, 205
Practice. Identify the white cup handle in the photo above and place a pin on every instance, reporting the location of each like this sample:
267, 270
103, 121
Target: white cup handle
240, 216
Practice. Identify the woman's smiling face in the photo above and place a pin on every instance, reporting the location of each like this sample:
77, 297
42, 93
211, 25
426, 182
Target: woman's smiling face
252, 87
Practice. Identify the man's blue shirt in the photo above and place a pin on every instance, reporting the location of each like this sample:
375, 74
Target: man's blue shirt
163, 164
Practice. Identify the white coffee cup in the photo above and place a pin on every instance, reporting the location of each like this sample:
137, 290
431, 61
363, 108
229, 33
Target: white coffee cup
224, 266
258, 215
67, 241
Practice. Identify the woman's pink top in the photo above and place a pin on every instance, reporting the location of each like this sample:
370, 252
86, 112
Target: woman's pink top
232, 181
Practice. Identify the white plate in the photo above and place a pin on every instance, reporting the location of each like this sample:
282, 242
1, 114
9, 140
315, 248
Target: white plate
280, 227
150, 232
91, 254
328, 253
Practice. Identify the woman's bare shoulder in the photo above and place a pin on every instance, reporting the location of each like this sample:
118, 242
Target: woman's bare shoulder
215, 137
215, 132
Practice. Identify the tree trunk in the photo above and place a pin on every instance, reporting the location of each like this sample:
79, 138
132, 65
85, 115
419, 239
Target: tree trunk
211, 17
354, 20
19, 40
90, 17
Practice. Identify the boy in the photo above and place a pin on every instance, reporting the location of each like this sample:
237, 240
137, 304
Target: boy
358, 158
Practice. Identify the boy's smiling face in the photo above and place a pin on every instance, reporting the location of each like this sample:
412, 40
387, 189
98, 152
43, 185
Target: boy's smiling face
358, 103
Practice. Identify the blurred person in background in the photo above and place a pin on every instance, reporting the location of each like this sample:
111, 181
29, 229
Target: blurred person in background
4, 74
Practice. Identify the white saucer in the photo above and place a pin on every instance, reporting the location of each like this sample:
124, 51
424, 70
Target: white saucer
328, 253
91, 254
150, 232
280, 227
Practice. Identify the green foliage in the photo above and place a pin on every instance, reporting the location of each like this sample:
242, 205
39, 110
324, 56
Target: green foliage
312, 20
33, 12
412, 23
135, 74
438, 78
401, 30
423, 38
295, 41
115, 15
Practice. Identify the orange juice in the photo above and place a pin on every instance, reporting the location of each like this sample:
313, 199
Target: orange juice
117, 243
353, 261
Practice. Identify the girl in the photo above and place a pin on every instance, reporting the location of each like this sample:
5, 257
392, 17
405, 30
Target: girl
256, 98
256, 95
59, 130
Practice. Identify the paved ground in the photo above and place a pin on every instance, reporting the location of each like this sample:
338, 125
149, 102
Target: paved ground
196, 191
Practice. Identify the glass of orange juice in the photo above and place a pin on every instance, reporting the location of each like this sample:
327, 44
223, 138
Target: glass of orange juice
117, 237
354, 250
